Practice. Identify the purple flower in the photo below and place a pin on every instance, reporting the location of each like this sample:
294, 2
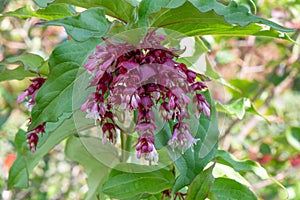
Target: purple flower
182, 138
135, 100
146, 101
109, 133
32, 140
191, 76
146, 148
199, 86
201, 105
22, 96
93, 113
166, 112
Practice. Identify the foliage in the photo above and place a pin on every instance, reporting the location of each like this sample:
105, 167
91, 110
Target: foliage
113, 171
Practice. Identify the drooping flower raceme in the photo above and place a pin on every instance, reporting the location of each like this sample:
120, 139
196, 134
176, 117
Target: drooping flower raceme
141, 78
30, 92
29, 96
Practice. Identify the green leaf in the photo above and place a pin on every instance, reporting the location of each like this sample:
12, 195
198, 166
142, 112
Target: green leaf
88, 24
201, 185
191, 163
293, 137
55, 97
18, 174
224, 189
54, 11
239, 108
119, 9
163, 136
16, 74
89, 152
26, 161
235, 14
196, 18
221, 170
129, 184
29, 61
265, 148
32, 66
148, 6
226, 158
245, 88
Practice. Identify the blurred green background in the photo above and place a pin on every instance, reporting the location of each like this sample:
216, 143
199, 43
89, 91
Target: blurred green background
266, 71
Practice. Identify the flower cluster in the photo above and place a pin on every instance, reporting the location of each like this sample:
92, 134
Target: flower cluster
141, 78
29, 95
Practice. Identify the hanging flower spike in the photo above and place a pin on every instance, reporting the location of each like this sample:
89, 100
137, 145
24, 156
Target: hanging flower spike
33, 138
137, 78
30, 92
29, 95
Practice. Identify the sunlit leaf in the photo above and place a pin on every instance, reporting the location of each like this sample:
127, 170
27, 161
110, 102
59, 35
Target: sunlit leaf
221, 170
239, 108
224, 189
246, 88
226, 158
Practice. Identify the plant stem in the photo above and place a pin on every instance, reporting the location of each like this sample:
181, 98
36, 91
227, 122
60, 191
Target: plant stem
126, 142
